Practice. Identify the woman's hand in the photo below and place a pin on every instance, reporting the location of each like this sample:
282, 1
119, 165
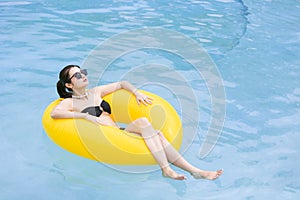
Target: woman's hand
140, 97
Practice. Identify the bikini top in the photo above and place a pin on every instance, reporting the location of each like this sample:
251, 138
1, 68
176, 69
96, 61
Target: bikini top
97, 110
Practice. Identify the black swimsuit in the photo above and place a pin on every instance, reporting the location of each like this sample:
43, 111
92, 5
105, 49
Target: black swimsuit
97, 110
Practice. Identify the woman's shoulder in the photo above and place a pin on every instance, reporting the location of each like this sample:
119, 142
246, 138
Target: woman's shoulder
95, 90
66, 101
65, 104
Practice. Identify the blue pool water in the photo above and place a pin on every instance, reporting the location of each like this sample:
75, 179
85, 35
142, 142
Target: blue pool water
255, 46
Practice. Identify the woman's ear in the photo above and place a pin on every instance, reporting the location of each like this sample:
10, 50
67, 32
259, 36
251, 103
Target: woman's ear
69, 85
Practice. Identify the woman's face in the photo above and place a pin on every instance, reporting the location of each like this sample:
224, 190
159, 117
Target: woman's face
78, 83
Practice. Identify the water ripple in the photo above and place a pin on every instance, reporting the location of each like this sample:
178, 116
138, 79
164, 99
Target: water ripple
218, 26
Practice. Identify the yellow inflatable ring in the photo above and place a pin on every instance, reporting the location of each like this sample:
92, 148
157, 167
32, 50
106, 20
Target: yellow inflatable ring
109, 144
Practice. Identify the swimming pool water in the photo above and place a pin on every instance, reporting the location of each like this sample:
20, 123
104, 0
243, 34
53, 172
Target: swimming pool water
255, 45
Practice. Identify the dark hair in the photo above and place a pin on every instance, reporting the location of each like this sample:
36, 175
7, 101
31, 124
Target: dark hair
64, 78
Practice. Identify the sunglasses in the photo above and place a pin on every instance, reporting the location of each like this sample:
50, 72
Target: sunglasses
78, 75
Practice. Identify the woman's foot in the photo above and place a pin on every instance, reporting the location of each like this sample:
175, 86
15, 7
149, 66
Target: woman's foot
170, 173
209, 175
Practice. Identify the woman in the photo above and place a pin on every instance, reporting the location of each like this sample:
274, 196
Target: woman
80, 102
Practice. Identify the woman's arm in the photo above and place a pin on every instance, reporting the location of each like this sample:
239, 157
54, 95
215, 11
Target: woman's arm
129, 87
64, 114
64, 110
140, 97
109, 88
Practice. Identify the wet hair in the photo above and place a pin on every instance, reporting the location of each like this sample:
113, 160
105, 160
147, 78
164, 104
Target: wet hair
64, 78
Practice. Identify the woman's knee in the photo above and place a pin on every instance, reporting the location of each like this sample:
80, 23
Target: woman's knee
142, 122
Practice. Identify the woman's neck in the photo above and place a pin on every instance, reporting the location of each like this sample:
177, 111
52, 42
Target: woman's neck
79, 93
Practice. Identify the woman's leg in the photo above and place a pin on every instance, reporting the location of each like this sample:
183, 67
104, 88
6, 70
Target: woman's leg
152, 139
176, 159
